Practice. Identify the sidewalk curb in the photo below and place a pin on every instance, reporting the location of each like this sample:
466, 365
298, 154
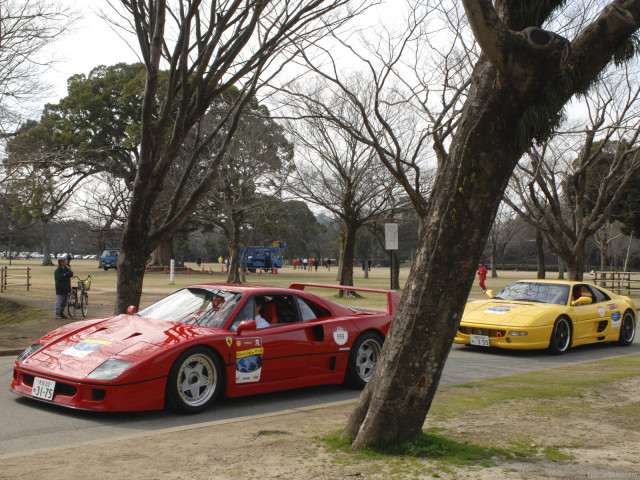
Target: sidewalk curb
10, 352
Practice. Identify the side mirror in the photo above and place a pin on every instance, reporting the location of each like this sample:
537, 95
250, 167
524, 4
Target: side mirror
581, 301
246, 325
489, 293
131, 310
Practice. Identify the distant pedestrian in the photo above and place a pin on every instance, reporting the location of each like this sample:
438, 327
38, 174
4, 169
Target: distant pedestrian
329, 264
62, 276
482, 276
316, 262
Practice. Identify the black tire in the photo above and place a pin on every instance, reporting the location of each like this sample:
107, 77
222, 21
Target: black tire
194, 382
71, 303
627, 329
363, 358
84, 303
106, 269
560, 340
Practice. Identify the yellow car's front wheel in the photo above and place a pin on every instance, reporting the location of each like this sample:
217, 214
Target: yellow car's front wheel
627, 329
560, 336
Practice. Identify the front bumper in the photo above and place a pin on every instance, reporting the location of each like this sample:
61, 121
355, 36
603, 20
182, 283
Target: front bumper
126, 397
500, 337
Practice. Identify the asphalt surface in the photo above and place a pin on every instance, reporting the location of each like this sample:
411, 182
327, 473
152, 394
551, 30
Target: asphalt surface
28, 425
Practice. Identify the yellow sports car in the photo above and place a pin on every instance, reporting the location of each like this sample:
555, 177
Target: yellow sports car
557, 315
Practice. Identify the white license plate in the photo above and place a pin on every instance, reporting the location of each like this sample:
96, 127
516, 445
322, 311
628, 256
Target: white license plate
43, 388
481, 340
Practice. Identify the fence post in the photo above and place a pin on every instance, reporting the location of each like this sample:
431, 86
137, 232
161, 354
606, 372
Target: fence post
3, 279
28, 278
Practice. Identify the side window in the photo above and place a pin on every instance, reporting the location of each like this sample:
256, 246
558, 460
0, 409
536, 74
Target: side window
309, 310
245, 313
598, 295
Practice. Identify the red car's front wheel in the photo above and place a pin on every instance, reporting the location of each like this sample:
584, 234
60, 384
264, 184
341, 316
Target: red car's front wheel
194, 381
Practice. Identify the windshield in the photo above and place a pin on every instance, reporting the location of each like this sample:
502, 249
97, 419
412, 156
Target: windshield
535, 292
110, 253
195, 306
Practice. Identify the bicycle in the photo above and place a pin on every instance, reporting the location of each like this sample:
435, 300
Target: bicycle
79, 298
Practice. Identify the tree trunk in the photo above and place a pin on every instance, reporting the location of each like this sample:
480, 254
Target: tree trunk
347, 249
134, 253
494, 258
575, 265
454, 228
236, 272
46, 249
603, 257
163, 253
540, 254
561, 269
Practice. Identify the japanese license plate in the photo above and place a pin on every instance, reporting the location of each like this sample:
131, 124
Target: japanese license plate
481, 340
43, 388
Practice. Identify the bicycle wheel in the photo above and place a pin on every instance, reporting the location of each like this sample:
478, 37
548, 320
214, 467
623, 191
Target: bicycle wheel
84, 303
71, 303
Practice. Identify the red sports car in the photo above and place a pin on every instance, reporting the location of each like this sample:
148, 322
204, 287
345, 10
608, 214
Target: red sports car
204, 341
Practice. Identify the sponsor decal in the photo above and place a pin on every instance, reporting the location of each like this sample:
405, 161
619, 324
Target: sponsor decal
82, 349
340, 336
601, 311
615, 319
501, 310
249, 360
612, 306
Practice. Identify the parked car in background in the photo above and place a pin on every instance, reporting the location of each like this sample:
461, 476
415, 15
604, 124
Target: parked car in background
109, 259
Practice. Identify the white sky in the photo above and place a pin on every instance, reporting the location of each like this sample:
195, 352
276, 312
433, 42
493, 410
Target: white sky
91, 43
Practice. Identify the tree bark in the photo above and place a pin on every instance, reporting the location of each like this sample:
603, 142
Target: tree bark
236, 272
516, 77
540, 254
163, 253
46, 249
347, 250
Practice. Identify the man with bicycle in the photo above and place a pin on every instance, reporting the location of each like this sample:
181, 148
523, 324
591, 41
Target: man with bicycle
63, 276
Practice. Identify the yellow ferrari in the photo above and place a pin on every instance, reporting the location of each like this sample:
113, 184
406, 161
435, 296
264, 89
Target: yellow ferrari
556, 315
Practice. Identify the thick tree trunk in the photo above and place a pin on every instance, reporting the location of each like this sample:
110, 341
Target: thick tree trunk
453, 232
46, 249
540, 254
494, 269
163, 253
235, 273
347, 249
575, 265
134, 252
603, 257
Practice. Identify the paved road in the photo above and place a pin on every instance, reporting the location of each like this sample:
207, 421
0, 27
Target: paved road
28, 425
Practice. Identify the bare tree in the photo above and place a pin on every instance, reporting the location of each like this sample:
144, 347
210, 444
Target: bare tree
337, 172
484, 124
502, 233
569, 188
26, 28
206, 48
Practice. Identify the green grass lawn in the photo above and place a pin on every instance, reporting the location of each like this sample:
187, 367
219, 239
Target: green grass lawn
158, 284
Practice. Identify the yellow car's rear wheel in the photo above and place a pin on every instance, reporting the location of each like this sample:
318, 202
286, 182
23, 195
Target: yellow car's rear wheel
560, 336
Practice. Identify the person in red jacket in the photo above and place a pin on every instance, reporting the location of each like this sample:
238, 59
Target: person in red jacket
482, 276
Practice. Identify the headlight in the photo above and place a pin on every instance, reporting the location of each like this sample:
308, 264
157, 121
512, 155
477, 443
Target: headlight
29, 351
518, 334
109, 369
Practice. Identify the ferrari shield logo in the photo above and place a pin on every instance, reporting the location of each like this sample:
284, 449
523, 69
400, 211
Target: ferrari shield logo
229, 341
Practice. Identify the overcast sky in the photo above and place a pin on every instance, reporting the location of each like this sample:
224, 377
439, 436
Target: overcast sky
91, 43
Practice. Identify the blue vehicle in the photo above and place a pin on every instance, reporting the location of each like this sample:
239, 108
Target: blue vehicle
109, 259
265, 258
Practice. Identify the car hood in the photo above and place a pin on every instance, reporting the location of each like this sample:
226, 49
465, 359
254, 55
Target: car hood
77, 349
502, 312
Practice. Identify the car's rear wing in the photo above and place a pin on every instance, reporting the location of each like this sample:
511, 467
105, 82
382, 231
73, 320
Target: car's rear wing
393, 297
